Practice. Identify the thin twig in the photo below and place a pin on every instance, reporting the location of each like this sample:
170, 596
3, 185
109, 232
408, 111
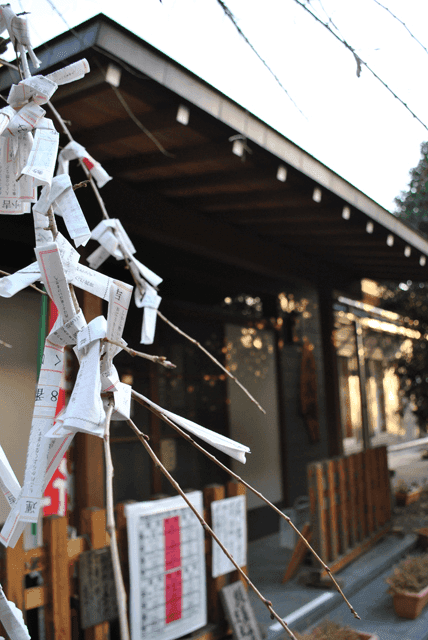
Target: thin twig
33, 286
361, 62
157, 359
208, 529
82, 164
84, 183
234, 21
402, 23
139, 124
139, 398
111, 529
195, 342
52, 223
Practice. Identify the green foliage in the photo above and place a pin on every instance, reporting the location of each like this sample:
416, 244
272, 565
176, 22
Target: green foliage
412, 205
411, 299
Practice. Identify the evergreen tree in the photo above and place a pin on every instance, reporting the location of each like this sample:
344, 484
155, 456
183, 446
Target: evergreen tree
410, 299
412, 205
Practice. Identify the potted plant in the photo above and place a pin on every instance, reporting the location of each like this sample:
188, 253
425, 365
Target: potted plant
329, 630
408, 585
407, 493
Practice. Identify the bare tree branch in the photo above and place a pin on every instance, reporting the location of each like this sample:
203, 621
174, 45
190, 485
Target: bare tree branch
111, 529
139, 398
208, 529
198, 344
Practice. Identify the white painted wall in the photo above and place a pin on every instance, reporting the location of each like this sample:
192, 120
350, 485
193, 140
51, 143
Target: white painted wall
19, 322
251, 357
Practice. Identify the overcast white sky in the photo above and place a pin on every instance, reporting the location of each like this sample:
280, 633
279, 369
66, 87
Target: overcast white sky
353, 125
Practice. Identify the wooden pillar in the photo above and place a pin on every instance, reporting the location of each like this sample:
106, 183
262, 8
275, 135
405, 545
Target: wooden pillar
215, 612
331, 377
57, 607
93, 522
363, 384
13, 575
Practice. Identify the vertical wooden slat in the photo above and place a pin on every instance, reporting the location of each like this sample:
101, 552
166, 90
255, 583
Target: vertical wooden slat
386, 497
368, 489
360, 496
377, 485
321, 515
234, 488
57, 609
352, 511
214, 585
343, 506
332, 509
310, 470
93, 522
13, 575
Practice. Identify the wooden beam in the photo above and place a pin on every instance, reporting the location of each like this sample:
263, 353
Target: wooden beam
123, 127
150, 165
191, 231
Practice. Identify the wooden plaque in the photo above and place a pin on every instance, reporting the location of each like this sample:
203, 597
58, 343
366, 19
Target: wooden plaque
239, 612
96, 588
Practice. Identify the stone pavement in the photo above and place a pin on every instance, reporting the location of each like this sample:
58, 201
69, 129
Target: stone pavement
363, 583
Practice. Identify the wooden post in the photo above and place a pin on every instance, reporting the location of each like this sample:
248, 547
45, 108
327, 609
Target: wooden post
13, 575
215, 613
57, 608
237, 489
93, 521
122, 541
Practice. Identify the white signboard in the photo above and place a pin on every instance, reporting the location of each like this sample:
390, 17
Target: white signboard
166, 568
229, 522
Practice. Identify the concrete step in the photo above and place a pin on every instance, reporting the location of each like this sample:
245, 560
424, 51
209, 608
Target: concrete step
363, 583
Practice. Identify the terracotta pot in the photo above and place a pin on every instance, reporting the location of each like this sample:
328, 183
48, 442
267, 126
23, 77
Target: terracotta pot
367, 636
402, 498
409, 605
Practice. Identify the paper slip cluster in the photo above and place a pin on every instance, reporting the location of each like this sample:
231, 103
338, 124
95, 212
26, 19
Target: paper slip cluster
29, 141
114, 241
27, 163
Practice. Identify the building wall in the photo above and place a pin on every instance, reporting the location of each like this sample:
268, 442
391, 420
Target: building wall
299, 450
19, 324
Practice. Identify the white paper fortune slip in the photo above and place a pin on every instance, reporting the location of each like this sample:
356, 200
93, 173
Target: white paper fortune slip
54, 279
120, 297
30, 500
85, 411
8, 481
73, 151
222, 443
72, 72
89, 280
42, 159
9, 285
38, 89
61, 195
150, 302
25, 119
12, 619
229, 523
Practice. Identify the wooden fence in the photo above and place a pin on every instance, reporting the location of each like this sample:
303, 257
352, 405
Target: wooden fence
350, 503
56, 562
